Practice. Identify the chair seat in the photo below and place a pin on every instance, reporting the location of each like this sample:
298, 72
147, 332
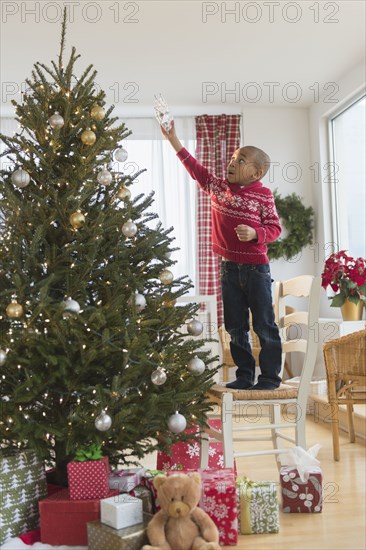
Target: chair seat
283, 392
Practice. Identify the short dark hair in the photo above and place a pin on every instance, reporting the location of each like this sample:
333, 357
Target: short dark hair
260, 158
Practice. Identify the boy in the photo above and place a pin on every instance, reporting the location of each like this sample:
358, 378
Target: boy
244, 219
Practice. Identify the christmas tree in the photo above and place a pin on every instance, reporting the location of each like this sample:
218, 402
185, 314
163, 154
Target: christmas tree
93, 348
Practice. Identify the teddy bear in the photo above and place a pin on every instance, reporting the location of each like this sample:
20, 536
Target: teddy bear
180, 524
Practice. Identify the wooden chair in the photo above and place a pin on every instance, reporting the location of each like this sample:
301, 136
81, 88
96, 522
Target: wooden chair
231, 402
345, 364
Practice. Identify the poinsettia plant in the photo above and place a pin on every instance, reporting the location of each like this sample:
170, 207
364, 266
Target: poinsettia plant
346, 276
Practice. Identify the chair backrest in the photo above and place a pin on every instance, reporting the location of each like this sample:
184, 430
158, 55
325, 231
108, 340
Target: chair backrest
345, 360
299, 329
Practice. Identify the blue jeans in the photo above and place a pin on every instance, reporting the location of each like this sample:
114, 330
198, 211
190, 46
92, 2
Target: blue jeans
248, 287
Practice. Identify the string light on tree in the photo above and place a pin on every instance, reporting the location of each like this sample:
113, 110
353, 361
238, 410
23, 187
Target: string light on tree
103, 422
20, 178
177, 423
120, 154
56, 121
194, 327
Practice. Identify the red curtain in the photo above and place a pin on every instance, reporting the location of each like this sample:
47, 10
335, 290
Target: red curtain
217, 137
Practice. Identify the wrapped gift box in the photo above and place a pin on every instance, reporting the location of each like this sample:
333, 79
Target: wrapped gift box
22, 485
88, 479
258, 506
301, 496
144, 493
219, 500
63, 521
148, 482
102, 537
126, 480
121, 511
186, 455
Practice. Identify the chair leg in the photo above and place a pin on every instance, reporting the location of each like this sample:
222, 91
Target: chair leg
204, 450
225, 373
227, 429
301, 429
275, 416
335, 429
351, 428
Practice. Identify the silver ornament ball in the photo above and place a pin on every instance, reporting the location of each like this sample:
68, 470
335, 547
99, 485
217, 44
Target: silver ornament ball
158, 377
129, 229
124, 193
70, 307
120, 154
103, 422
195, 327
56, 121
20, 178
104, 177
2, 357
139, 301
177, 423
196, 365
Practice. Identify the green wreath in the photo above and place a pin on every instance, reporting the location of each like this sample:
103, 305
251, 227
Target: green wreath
299, 222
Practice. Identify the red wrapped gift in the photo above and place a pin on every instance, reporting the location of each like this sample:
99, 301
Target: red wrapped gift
301, 495
219, 500
88, 479
186, 455
63, 521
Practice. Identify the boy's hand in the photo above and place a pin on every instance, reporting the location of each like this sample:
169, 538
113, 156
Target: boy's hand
171, 136
245, 233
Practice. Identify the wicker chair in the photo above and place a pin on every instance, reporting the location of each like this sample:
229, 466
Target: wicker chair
345, 363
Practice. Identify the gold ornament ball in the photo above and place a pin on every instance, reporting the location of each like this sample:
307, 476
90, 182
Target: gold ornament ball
14, 310
77, 220
97, 112
88, 137
123, 193
169, 301
166, 277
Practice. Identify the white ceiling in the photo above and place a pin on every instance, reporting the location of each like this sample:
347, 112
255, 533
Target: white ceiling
144, 47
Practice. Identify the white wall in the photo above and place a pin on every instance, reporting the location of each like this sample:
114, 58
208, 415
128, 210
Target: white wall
284, 134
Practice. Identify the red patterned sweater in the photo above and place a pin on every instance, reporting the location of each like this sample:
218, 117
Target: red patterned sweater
232, 205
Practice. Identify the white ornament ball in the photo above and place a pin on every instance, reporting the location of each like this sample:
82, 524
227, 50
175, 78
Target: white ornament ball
2, 357
120, 154
129, 229
104, 177
158, 377
103, 422
70, 307
166, 277
139, 301
20, 178
177, 423
195, 327
56, 121
196, 365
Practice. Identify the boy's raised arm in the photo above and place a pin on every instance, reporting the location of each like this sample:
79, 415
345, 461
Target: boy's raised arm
171, 136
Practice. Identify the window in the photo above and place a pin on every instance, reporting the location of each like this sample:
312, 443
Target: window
348, 182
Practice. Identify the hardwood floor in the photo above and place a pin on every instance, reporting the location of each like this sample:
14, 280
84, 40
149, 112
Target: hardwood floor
341, 524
